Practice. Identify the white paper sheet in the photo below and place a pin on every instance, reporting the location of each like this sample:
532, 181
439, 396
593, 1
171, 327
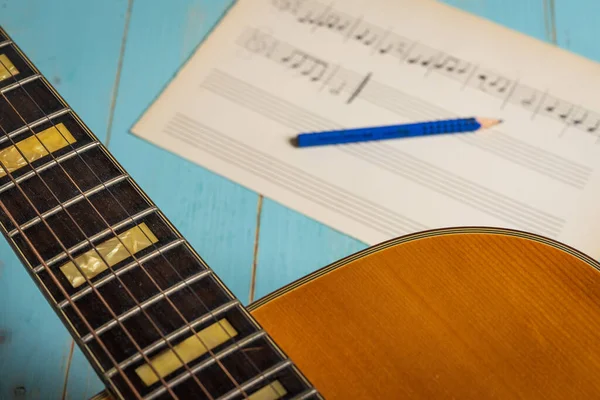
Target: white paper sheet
276, 68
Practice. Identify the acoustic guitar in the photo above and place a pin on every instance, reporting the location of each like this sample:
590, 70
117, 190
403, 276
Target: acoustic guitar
461, 313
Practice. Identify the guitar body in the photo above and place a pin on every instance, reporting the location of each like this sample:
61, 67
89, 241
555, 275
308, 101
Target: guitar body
448, 314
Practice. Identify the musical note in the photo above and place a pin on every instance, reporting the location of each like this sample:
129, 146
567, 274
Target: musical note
334, 21
368, 34
452, 67
491, 83
423, 56
308, 17
556, 108
550, 109
288, 5
394, 45
313, 13
594, 128
331, 20
564, 114
366, 37
316, 70
578, 117
528, 102
526, 97
297, 56
308, 65
591, 123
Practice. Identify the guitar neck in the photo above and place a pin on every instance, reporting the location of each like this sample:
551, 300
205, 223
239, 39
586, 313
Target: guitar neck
152, 318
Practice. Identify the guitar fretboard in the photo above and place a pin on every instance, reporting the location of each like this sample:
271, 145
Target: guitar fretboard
150, 315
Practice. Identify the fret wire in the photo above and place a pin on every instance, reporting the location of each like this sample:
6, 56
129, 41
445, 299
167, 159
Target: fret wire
203, 388
174, 335
206, 363
78, 267
5, 43
254, 381
306, 394
102, 281
20, 83
33, 124
70, 202
49, 164
150, 277
94, 238
56, 282
195, 294
146, 303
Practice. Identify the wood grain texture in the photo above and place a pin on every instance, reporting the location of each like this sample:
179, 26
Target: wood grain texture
452, 316
70, 43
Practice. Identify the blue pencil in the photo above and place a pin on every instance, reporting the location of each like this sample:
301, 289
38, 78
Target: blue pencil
394, 131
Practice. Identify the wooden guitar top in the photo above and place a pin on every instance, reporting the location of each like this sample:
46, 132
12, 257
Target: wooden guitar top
448, 314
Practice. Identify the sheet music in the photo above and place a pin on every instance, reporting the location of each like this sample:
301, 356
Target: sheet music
276, 68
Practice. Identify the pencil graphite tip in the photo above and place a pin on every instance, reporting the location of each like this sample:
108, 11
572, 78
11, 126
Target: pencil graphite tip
488, 122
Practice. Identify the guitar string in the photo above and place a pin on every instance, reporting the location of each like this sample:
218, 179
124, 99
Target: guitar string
75, 263
151, 278
37, 254
207, 309
103, 259
168, 261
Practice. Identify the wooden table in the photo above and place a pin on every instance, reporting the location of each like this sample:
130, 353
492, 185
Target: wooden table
109, 59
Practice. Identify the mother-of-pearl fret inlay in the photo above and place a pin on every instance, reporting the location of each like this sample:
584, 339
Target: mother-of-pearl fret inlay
108, 253
7, 68
272, 391
34, 147
132, 291
188, 350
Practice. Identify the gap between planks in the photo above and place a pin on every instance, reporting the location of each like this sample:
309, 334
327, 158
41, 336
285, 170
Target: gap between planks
259, 205
550, 20
117, 83
111, 114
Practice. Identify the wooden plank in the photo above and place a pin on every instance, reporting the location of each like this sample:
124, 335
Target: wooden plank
82, 382
79, 55
215, 215
577, 26
525, 16
304, 245
292, 245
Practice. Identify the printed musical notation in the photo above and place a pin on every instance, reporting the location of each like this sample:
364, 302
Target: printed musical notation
383, 42
278, 81
335, 80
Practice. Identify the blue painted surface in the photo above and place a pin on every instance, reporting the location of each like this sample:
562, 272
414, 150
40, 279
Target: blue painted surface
77, 45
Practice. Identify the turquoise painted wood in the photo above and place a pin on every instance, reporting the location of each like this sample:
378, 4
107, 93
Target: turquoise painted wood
577, 27
216, 215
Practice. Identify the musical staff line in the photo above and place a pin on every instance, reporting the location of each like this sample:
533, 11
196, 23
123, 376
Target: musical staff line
508, 90
396, 161
343, 82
